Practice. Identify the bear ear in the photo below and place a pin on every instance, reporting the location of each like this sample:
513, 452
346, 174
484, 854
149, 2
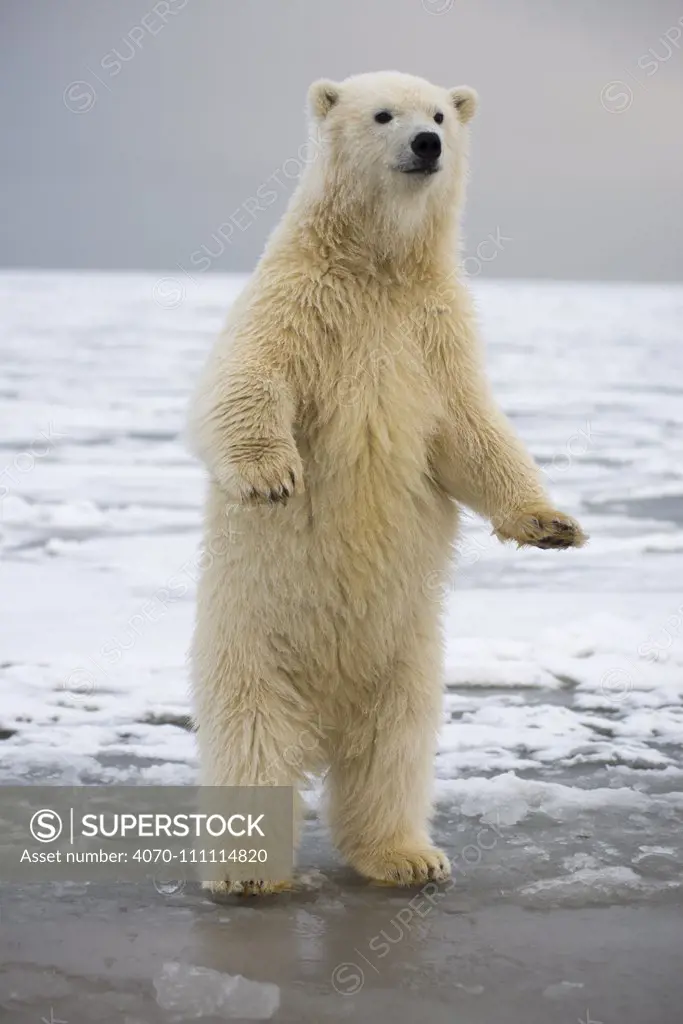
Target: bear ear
465, 101
322, 96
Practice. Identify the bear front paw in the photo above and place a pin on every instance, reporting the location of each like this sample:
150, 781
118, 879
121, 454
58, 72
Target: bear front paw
542, 528
272, 477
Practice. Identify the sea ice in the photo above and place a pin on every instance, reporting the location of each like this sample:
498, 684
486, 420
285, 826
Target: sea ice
192, 992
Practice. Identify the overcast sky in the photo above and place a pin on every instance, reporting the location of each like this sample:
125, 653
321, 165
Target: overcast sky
182, 109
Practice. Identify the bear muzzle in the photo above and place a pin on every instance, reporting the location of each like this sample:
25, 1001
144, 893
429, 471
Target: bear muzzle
426, 148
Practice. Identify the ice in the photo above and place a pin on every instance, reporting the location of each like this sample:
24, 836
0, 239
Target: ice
508, 799
192, 992
560, 766
472, 990
561, 989
466, 672
30, 983
554, 661
611, 880
655, 851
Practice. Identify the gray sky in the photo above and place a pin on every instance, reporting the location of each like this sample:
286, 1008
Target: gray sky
183, 108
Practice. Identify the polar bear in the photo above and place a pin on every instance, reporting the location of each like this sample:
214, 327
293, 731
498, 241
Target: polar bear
344, 416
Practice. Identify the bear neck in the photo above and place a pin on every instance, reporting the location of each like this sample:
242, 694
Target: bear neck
362, 232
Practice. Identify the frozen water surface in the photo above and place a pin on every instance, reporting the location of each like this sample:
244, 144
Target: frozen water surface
192, 992
560, 770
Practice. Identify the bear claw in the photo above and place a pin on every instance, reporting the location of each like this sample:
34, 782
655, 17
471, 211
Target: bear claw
544, 530
267, 481
404, 866
219, 890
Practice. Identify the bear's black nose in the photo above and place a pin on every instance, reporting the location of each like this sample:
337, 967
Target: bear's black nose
426, 145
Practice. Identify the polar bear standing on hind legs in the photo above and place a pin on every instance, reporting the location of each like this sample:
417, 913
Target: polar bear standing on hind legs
317, 645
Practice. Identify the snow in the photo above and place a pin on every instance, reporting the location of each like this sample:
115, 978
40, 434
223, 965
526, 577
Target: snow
556, 663
508, 799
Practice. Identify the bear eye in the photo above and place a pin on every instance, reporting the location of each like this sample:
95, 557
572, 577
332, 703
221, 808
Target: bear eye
438, 117
383, 117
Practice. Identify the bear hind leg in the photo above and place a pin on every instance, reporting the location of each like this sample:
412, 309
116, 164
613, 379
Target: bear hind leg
251, 736
380, 791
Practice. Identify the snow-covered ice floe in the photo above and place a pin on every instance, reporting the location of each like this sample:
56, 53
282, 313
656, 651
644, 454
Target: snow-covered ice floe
557, 664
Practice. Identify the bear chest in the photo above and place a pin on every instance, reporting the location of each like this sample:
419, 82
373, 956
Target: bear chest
376, 406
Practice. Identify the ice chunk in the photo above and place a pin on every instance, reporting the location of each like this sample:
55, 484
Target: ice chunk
194, 992
563, 988
609, 879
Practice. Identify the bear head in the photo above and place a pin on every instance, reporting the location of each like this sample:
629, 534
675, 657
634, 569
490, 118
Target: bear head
393, 143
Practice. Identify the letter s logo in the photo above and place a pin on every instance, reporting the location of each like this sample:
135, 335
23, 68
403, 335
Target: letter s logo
46, 826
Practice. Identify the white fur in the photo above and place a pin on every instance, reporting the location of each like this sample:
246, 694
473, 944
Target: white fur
349, 373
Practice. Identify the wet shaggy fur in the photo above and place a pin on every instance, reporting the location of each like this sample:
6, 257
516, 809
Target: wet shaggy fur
343, 417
